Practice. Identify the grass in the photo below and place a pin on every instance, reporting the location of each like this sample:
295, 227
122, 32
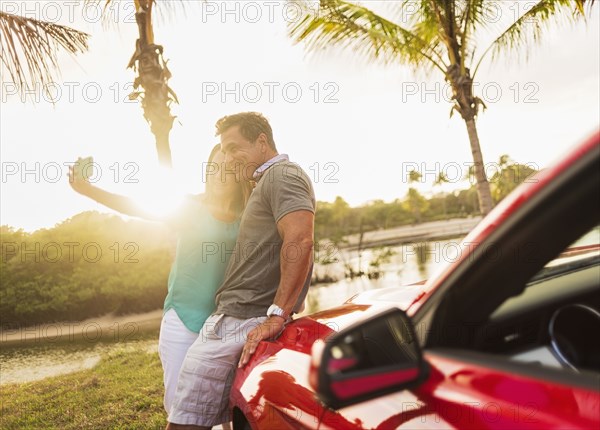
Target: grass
124, 391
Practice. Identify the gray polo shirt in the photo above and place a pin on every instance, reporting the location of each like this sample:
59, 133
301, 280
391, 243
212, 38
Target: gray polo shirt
252, 277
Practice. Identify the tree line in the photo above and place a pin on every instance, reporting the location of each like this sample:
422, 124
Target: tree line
336, 219
89, 265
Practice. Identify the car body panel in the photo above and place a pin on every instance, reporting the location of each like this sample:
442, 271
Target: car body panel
463, 395
271, 398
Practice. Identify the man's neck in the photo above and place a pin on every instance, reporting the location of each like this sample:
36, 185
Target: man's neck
270, 155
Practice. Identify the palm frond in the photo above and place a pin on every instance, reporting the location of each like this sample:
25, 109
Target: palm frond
29, 47
415, 16
355, 27
528, 29
473, 14
421, 19
582, 5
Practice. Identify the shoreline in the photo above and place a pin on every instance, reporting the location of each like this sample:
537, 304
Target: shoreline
106, 327
423, 232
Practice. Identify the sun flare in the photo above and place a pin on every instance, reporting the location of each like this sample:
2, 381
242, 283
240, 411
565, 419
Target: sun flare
162, 194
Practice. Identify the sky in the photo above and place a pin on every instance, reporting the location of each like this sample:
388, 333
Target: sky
357, 127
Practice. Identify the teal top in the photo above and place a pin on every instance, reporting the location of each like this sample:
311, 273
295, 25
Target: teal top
204, 245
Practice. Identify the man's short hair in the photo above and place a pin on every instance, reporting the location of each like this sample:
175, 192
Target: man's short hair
251, 124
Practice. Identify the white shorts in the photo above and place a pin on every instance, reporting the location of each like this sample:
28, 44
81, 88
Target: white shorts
202, 397
173, 343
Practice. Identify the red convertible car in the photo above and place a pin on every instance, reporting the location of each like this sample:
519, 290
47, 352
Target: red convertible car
506, 336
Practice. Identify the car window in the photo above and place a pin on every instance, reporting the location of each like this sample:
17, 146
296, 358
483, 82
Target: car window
550, 321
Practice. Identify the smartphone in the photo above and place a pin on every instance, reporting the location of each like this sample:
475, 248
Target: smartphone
84, 168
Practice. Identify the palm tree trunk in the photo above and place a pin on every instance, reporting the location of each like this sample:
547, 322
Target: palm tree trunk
483, 186
153, 75
467, 105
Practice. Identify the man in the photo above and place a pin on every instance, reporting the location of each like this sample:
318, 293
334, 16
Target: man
267, 277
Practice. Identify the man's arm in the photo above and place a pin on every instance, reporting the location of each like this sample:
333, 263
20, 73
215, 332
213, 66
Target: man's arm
296, 230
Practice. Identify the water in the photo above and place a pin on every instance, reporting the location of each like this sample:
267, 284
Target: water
40, 358
407, 264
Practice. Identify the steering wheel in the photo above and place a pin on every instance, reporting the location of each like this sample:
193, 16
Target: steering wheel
571, 330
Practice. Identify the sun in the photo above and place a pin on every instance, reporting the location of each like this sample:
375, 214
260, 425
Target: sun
162, 194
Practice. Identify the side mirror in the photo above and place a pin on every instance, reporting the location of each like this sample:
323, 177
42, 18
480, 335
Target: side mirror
366, 360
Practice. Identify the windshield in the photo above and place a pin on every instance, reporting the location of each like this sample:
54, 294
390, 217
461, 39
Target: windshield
582, 253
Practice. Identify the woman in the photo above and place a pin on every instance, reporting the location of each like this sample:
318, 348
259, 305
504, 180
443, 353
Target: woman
207, 227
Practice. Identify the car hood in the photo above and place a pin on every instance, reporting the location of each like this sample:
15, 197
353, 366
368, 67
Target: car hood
404, 296
303, 332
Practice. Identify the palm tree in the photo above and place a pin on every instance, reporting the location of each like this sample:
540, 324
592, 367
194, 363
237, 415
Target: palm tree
437, 35
441, 179
414, 176
152, 75
33, 42
29, 49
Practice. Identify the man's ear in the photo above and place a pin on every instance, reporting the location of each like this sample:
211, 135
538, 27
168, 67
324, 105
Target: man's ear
262, 139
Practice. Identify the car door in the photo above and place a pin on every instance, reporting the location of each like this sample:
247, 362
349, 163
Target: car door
467, 391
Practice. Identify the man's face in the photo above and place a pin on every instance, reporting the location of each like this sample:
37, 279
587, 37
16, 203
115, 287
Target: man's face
241, 152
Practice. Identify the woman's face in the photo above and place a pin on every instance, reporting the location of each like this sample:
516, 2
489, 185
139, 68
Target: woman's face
221, 179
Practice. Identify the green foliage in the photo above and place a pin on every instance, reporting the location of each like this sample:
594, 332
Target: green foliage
123, 392
336, 220
414, 176
509, 175
416, 204
86, 266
